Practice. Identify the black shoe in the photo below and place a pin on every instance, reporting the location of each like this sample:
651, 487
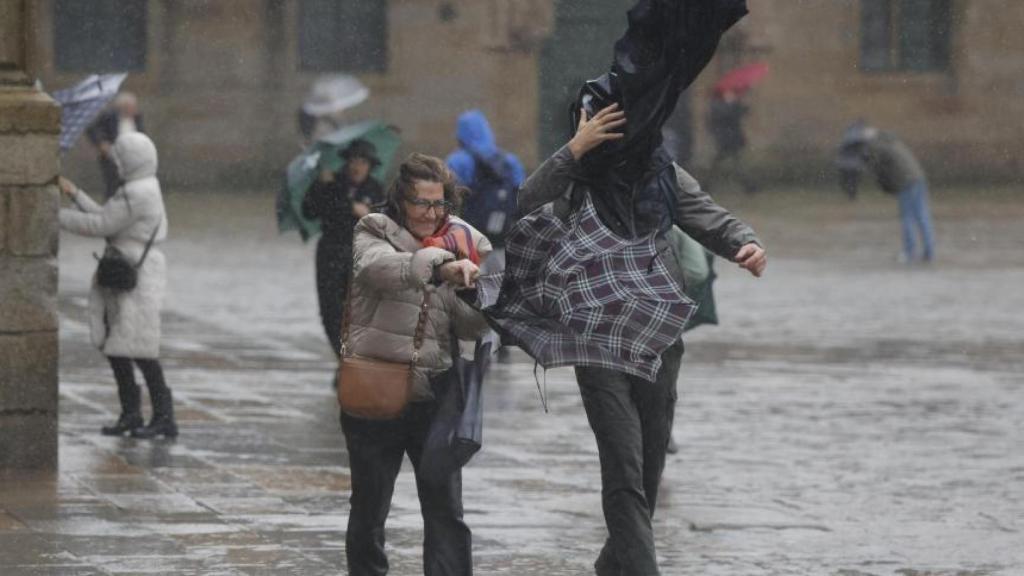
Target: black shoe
126, 423
672, 447
165, 427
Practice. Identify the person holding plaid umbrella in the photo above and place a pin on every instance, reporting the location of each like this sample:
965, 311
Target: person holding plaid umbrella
123, 118
591, 281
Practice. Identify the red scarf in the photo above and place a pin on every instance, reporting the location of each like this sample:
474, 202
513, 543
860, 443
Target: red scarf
455, 238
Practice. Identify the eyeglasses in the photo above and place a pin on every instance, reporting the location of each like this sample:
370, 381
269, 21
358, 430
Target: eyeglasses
423, 206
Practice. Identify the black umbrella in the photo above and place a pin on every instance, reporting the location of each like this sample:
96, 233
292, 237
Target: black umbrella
456, 432
665, 47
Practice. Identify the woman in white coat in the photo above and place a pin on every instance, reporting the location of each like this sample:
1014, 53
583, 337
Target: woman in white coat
126, 325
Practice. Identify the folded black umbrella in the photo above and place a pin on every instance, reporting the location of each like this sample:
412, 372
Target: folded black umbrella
665, 47
456, 432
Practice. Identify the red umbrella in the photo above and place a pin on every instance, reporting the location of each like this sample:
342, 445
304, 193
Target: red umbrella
741, 79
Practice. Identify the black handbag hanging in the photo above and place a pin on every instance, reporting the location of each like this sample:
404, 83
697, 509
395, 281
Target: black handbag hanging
115, 272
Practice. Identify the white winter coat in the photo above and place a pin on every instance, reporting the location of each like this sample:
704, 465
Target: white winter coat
127, 324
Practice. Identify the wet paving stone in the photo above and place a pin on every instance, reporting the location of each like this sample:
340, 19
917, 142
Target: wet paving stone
818, 435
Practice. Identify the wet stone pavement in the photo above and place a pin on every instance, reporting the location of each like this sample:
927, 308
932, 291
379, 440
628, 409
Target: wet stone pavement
849, 418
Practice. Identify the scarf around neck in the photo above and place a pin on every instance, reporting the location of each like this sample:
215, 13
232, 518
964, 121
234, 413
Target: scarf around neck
456, 238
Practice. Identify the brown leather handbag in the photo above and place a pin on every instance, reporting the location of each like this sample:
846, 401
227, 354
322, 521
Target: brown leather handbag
377, 389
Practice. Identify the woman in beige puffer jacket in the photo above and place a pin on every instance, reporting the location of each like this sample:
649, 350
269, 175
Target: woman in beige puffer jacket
392, 269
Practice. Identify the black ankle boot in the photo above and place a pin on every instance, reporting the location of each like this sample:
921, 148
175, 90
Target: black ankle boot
126, 423
162, 423
158, 426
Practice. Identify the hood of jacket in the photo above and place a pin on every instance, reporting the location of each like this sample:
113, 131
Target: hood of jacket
135, 156
475, 134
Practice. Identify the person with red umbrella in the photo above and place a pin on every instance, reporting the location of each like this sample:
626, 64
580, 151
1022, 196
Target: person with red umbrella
725, 121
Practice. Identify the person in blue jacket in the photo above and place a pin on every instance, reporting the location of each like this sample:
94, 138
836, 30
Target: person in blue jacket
493, 177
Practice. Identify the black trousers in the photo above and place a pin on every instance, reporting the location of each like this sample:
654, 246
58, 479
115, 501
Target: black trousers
376, 450
128, 391
632, 422
333, 261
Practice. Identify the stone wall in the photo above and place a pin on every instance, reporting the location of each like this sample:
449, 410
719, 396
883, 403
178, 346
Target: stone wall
29, 201
222, 84
962, 122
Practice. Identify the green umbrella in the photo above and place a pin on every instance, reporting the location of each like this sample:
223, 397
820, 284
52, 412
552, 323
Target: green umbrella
323, 155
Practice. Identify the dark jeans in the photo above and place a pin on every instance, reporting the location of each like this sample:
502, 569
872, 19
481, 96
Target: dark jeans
632, 421
376, 449
128, 390
915, 213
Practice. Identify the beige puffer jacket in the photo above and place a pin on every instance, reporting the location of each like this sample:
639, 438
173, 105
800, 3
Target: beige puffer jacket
391, 270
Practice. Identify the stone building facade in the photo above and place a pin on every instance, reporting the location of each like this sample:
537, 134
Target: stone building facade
221, 81
946, 75
29, 126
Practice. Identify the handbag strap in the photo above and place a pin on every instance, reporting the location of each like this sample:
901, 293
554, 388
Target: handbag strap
152, 237
149, 245
421, 323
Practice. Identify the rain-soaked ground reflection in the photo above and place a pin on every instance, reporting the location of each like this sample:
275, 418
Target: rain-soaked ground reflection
850, 418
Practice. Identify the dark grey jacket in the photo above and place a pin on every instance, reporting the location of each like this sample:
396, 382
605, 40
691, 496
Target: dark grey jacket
696, 212
893, 163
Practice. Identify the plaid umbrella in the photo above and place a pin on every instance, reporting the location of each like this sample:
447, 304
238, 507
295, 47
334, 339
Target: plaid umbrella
82, 102
575, 294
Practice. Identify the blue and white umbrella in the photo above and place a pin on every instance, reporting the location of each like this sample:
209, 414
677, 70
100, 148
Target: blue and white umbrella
81, 103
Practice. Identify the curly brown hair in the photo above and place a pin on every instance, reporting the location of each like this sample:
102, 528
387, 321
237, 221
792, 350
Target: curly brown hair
421, 167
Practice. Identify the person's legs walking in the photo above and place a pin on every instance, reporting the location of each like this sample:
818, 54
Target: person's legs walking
613, 416
447, 540
672, 362
375, 452
656, 404
906, 200
130, 396
162, 423
923, 216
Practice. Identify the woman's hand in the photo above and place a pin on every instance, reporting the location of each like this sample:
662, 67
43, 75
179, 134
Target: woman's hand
460, 273
596, 131
326, 176
67, 187
751, 258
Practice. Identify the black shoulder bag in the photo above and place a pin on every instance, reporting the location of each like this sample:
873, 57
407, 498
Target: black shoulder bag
115, 272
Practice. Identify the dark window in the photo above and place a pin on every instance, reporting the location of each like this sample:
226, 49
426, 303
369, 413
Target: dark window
876, 34
343, 35
99, 35
905, 35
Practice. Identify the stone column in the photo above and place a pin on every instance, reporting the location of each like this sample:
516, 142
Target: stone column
29, 201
